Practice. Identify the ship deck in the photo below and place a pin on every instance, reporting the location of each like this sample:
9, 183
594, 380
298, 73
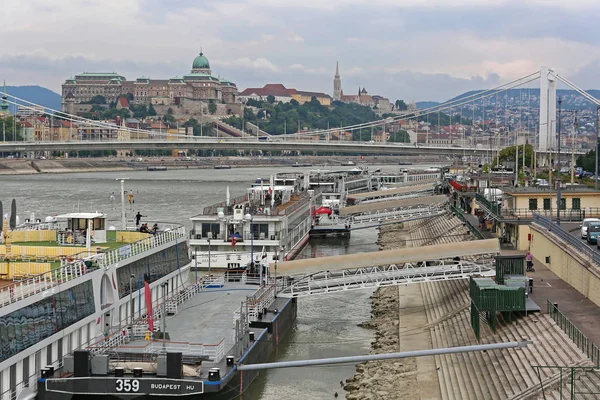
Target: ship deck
206, 318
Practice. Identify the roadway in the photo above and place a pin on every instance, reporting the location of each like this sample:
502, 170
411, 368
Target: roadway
203, 143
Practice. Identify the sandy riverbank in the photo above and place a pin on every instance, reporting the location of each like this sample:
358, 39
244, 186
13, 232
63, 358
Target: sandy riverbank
389, 379
70, 165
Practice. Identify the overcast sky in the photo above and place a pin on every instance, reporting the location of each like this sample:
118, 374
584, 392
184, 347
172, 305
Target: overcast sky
401, 49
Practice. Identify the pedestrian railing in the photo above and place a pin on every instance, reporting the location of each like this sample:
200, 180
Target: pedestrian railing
569, 239
583, 342
461, 215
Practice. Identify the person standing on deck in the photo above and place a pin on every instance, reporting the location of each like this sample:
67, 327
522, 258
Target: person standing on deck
138, 217
112, 200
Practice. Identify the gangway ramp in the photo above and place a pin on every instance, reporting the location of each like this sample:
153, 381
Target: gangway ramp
372, 277
393, 192
392, 204
389, 257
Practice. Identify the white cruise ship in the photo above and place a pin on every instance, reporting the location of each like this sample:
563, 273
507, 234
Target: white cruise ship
272, 220
64, 287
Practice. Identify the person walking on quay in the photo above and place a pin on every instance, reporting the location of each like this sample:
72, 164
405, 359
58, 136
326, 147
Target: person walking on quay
138, 217
112, 200
529, 259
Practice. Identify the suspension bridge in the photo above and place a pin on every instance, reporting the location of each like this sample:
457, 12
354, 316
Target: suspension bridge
517, 127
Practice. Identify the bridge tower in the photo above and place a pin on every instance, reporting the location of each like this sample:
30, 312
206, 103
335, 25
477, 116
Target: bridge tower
547, 131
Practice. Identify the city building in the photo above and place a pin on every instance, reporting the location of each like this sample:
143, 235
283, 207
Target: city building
189, 94
27, 111
283, 94
277, 90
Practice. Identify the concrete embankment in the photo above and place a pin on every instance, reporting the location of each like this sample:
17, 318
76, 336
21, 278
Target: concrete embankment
389, 379
24, 166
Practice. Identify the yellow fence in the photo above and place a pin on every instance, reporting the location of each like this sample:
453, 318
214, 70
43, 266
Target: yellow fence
39, 251
130, 237
15, 270
40, 235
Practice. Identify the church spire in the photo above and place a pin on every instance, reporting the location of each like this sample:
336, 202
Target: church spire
337, 83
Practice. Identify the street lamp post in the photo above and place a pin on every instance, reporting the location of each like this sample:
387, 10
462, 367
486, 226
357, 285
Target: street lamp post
196, 260
249, 217
558, 193
123, 221
131, 298
277, 255
208, 240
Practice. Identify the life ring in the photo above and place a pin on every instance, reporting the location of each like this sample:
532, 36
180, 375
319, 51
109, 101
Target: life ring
70, 259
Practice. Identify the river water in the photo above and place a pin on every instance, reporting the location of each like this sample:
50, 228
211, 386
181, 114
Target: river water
326, 325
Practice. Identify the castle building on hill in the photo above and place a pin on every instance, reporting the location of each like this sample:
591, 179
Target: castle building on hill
190, 92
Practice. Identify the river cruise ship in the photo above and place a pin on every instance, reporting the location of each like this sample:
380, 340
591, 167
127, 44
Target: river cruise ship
271, 221
69, 283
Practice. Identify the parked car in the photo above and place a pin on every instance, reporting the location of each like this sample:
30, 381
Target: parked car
593, 232
584, 226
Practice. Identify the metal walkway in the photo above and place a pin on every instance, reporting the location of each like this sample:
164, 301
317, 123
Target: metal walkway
372, 277
389, 257
378, 216
380, 195
392, 205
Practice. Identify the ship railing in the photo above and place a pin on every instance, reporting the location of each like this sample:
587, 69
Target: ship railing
79, 267
135, 248
41, 283
215, 352
256, 303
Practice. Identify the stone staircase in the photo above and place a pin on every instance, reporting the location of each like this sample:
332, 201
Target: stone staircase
501, 374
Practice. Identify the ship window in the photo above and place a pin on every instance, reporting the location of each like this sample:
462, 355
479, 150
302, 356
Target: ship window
260, 231
31, 324
210, 230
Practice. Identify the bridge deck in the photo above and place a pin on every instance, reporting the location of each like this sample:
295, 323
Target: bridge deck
390, 192
362, 208
388, 257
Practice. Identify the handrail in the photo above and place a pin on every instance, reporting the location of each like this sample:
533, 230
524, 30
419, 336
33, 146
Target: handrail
459, 213
571, 240
583, 342
79, 267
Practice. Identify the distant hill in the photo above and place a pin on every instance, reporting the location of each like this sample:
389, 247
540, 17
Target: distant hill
35, 94
421, 105
571, 99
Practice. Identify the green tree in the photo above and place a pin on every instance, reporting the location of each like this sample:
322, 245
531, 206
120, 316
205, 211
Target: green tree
7, 129
151, 110
212, 107
169, 119
254, 103
401, 105
97, 99
508, 154
170, 111
271, 99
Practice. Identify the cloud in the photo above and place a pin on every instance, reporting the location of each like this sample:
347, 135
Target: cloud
294, 37
408, 49
256, 63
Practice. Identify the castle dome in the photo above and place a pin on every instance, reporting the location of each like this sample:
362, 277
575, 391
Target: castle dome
200, 62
